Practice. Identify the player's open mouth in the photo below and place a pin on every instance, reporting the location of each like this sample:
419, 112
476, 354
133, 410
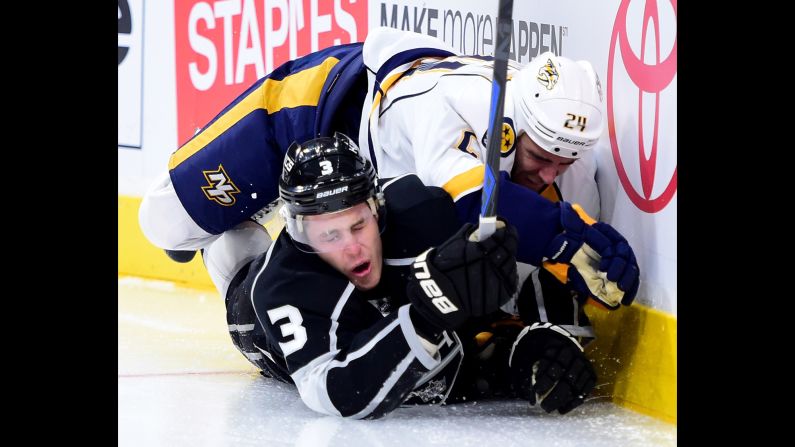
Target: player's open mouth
362, 269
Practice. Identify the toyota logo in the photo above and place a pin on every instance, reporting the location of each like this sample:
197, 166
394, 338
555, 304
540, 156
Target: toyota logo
125, 28
651, 74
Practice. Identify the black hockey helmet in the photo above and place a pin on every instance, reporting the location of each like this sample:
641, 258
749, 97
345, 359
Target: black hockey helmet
325, 175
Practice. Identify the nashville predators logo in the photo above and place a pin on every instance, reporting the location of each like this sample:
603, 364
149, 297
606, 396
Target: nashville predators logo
508, 137
220, 188
548, 75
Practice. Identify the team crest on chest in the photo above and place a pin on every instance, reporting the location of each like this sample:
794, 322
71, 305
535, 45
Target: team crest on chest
221, 189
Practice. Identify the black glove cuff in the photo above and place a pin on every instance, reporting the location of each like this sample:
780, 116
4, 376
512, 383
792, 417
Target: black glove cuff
423, 327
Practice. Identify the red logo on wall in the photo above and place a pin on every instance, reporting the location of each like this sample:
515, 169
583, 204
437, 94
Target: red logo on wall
223, 46
650, 78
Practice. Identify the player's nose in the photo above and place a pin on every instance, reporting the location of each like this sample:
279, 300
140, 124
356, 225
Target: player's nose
548, 174
352, 247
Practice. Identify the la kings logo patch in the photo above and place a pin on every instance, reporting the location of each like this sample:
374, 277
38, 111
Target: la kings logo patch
220, 188
433, 392
442, 378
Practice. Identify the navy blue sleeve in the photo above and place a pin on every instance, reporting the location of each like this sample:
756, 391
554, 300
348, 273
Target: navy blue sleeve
537, 220
230, 169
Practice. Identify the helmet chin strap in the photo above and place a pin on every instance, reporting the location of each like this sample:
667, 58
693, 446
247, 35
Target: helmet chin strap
376, 202
299, 220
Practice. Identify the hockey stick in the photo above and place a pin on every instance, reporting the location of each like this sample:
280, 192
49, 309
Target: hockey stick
488, 207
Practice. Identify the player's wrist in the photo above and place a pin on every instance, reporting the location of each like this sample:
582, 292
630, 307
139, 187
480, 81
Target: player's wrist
424, 328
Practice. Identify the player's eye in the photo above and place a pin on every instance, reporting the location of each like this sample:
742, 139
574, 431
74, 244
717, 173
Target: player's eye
330, 236
358, 225
539, 158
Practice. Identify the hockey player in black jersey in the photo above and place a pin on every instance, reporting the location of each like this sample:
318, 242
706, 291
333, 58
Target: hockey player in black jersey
333, 305
352, 306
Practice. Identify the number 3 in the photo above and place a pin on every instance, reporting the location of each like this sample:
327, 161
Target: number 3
291, 327
325, 167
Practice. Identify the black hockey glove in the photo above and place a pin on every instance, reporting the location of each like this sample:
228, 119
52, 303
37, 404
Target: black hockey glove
548, 367
593, 258
462, 278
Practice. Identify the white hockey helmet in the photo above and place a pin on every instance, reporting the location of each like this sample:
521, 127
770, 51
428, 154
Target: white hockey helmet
559, 104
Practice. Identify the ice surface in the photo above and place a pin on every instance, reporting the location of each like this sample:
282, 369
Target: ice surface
182, 382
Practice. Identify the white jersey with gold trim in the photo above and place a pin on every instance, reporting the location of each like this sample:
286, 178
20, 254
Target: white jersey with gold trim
429, 116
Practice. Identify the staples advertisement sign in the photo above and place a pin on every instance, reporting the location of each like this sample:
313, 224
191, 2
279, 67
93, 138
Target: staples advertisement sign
223, 46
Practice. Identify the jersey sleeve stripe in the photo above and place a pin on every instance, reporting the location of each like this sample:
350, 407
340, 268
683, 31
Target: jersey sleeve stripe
399, 261
299, 89
384, 86
351, 356
312, 379
254, 283
465, 182
393, 180
444, 361
311, 383
410, 334
332, 335
400, 369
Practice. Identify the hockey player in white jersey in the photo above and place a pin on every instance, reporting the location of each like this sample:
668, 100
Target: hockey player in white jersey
427, 113
227, 172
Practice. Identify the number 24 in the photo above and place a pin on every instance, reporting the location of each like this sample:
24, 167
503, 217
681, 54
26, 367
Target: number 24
581, 120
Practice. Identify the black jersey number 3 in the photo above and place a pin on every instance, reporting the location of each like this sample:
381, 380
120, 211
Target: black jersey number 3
291, 327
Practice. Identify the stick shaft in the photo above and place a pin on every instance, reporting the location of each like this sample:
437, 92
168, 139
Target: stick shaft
488, 208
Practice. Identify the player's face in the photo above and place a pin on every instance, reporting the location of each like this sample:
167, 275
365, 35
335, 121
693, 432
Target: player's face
534, 167
350, 242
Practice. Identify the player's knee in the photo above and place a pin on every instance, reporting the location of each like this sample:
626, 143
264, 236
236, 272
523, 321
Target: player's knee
158, 225
166, 223
232, 250
150, 225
